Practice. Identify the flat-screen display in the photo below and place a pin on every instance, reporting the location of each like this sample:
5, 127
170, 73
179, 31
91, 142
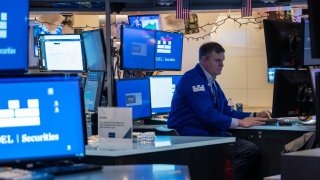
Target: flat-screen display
94, 47
62, 52
41, 118
137, 49
93, 90
314, 17
168, 47
134, 93
162, 89
283, 43
145, 21
307, 56
313, 76
14, 35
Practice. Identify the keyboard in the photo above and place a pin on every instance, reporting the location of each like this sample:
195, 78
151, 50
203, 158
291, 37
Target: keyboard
69, 169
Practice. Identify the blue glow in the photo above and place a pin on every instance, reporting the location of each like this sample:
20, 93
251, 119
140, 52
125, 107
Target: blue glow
137, 49
14, 35
47, 121
168, 51
134, 93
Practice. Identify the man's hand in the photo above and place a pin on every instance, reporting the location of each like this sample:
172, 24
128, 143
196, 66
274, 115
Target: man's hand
251, 121
264, 114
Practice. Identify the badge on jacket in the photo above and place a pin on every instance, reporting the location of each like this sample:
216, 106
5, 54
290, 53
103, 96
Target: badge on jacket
198, 88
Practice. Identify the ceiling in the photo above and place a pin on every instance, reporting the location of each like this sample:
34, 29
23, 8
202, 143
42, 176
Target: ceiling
121, 6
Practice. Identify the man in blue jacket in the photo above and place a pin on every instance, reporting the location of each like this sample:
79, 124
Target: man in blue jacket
200, 108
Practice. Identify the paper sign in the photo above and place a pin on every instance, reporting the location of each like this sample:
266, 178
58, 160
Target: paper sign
115, 123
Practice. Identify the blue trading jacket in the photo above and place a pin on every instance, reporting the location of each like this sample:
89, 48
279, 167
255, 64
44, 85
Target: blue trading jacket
193, 111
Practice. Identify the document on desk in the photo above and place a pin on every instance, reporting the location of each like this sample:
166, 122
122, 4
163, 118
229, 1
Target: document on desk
115, 123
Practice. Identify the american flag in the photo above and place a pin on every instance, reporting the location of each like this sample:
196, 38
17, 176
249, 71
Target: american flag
182, 9
246, 8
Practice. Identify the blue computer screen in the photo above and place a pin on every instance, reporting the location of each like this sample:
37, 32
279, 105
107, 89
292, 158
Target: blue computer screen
94, 47
137, 49
40, 118
145, 21
134, 93
169, 47
62, 52
93, 90
162, 89
14, 35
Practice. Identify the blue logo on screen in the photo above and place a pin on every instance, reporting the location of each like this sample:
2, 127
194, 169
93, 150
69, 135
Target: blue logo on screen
3, 25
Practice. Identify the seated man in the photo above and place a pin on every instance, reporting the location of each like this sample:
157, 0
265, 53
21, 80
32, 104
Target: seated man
200, 108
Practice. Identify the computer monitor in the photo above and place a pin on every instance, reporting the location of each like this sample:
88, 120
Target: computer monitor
169, 47
63, 52
41, 118
271, 73
307, 56
162, 89
144, 21
313, 76
292, 94
41, 29
283, 43
94, 48
14, 36
93, 90
134, 93
137, 49
314, 17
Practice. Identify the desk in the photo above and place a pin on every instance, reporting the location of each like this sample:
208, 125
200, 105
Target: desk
271, 141
205, 156
132, 172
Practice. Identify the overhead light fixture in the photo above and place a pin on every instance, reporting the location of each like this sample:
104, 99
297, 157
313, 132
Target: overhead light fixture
164, 2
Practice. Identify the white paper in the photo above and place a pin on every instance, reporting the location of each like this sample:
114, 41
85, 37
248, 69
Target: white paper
115, 123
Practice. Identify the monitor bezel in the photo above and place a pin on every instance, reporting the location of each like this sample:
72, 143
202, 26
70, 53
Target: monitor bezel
103, 47
144, 15
116, 97
159, 76
45, 69
99, 91
181, 54
32, 162
122, 67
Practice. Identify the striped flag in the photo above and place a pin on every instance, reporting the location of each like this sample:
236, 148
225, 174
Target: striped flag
182, 9
246, 8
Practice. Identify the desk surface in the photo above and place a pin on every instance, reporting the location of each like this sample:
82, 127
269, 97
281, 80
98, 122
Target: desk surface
120, 172
283, 128
162, 143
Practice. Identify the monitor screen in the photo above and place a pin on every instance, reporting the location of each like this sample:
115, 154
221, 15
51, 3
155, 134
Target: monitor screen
134, 93
144, 21
14, 35
307, 57
313, 80
41, 118
283, 43
40, 29
292, 94
162, 89
169, 47
61, 53
95, 50
314, 16
137, 49
93, 90
271, 73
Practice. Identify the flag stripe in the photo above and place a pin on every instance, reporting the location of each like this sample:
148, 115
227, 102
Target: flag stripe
182, 9
246, 9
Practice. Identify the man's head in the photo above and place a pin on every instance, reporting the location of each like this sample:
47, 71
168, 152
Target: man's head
211, 57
